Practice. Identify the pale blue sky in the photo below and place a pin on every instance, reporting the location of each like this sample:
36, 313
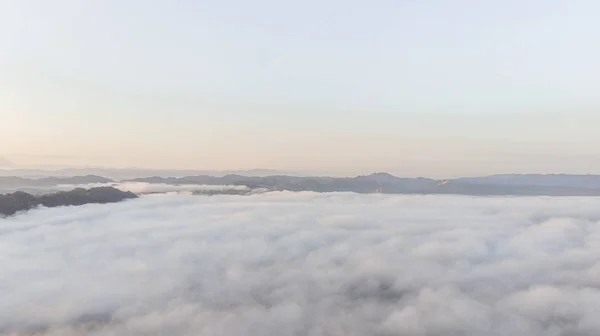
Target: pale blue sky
415, 87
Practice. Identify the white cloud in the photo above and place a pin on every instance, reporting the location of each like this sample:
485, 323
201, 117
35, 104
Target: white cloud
148, 188
304, 264
135, 187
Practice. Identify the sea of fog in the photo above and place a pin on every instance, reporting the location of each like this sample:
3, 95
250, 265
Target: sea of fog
285, 263
140, 188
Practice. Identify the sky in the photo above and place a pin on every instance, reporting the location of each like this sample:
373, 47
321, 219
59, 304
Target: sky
436, 88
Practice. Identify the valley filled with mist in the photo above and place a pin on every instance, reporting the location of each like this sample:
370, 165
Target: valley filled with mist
304, 263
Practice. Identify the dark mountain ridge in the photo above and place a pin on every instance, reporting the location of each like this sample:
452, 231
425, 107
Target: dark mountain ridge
547, 180
534, 185
13, 203
504, 184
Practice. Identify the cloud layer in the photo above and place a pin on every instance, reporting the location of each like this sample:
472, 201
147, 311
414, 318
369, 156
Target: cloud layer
139, 188
151, 188
304, 264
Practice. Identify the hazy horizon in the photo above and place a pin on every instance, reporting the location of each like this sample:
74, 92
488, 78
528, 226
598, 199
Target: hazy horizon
413, 88
427, 169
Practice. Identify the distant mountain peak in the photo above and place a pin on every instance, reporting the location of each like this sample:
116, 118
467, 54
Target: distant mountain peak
382, 174
379, 177
5, 163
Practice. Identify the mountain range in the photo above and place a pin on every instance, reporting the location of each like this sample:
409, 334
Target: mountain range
532, 185
511, 184
128, 173
16, 181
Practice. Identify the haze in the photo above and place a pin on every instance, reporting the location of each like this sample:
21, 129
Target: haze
411, 87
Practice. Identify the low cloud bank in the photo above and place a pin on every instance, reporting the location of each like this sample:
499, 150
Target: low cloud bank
304, 264
151, 188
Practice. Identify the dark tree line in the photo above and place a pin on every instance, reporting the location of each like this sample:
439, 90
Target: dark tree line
18, 201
